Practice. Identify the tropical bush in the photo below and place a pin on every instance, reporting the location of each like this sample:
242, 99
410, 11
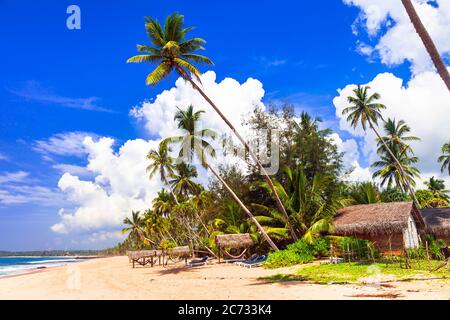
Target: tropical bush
298, 252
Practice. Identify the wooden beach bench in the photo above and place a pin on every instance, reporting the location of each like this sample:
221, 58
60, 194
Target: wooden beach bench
144, 257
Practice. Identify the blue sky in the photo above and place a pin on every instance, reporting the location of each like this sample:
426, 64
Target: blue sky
54, 80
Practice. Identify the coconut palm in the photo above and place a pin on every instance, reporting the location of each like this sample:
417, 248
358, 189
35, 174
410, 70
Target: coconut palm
193, 144
365, 109
427, 41
161, 162
389, 172
173, 52
437, 187
364, 192
445, 157
182, 180
396, 136
310, 206
163, 203
134, 226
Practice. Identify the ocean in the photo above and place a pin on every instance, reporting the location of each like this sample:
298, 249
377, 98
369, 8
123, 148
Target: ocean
19, 265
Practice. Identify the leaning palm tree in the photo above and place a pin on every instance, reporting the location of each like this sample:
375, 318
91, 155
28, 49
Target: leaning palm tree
428, 42
364, 109
445, 157
396, 137
161, 161
173, 52
193, 144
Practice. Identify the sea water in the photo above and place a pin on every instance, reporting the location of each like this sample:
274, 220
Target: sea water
19, 265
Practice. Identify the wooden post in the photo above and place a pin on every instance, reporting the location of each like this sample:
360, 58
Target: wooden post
428, 254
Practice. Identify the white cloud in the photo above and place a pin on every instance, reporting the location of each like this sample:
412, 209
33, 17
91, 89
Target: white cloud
26, 194
72, 169
351, 159
395, 39
121, 185
3, 157
424, 103
63, 144
18, 176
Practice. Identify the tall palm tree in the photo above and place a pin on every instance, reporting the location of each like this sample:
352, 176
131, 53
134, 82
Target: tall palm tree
389, 170
172, 52
427, 41
396, 137
364, 109
161, 161
134, 226
437, 187
181, 180
193, 144
445, 157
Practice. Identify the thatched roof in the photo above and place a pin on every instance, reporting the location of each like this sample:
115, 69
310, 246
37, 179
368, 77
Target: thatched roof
144, 254
437, 220
179, 251
374, 219
242, 240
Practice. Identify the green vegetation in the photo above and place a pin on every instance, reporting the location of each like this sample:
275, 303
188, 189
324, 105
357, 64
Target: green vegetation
354, 272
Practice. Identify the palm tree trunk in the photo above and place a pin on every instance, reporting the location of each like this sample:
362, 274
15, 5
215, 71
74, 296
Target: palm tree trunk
171, 191
427, 41
400, 167
264, 233
252, 154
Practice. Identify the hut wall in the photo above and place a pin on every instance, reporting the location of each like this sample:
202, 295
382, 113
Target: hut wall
386, 242
410, 235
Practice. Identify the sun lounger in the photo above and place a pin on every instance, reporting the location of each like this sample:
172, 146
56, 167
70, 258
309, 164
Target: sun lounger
198, 262
251, 259
255, 263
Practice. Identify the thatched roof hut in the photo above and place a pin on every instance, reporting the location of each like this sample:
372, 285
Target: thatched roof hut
234, 241
375, 219
388, 225
437, 222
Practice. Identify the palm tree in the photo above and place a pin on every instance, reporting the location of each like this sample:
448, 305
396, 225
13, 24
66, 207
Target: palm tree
389, 170
364, 109
172, 52
162, 162
364, 193
396, 137
427, 41
194, 144
445, 157
310, 206
437, 187
163, 202
134, 226
182, 182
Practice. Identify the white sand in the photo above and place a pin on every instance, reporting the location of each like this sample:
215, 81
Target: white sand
113, 278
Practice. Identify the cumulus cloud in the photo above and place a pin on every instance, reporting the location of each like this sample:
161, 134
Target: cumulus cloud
351, 159
423, 102
120, 185
393, 36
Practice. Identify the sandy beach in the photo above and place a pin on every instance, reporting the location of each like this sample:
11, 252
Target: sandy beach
113, 278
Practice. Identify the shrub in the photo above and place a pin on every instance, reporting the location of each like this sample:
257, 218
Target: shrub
286, 258
297, 253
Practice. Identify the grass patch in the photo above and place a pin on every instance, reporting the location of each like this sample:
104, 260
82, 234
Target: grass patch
353, 272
